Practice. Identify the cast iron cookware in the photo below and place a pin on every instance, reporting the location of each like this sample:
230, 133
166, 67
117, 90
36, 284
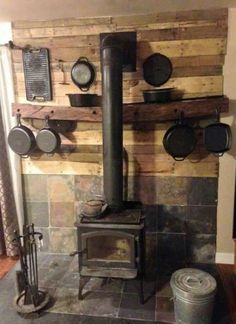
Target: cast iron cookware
84, 100
83, 74
157, 95
180, 140
218, 137
21, 139
157, 69
47, 139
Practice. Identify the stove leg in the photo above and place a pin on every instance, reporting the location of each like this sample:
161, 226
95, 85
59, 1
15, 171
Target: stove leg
81, 286
141, 292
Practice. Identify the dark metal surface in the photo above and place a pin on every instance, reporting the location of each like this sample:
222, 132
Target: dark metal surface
29, 295
37, 74
47, 139
157, 95
21, 139
84, 100
111, 61
127, 41
218, 138
83, 74
180, 140
157, 69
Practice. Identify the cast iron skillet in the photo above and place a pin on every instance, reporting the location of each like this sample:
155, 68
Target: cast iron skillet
218, 137
83, 74
47, 139
180, 140
157, 69
21, 139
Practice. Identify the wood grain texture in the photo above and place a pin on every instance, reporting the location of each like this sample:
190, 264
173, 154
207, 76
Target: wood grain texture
195, 41
132, 113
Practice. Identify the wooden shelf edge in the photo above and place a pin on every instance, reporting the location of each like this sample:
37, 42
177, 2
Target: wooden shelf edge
137, 112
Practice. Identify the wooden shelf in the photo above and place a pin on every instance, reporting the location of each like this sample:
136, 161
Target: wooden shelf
138, 112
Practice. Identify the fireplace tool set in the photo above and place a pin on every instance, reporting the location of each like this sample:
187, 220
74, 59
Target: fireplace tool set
29, 297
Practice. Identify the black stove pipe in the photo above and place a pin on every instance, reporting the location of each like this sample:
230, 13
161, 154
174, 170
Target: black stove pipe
112, 105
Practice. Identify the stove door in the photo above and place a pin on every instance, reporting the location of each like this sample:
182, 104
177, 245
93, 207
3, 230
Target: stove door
108, 248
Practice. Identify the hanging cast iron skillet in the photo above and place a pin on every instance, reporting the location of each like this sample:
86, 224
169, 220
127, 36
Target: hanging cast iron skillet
83, 74
157, 69
21, 139
47, 139
180, 140
218, 137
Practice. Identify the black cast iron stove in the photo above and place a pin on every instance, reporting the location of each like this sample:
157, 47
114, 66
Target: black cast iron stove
112, 245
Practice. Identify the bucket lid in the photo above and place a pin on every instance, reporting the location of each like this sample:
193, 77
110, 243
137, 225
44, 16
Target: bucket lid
193, 283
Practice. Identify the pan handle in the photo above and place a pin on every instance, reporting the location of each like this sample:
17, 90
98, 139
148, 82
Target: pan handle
219, 154
178, 158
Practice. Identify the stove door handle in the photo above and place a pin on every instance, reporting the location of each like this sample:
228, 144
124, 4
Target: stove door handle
78, 252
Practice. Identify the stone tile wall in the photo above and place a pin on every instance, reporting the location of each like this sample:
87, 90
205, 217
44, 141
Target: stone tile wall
180, 213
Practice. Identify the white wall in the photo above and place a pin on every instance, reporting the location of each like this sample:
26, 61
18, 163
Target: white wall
52, 9
225, 246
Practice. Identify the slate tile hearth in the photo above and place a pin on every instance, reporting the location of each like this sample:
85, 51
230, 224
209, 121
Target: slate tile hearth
105, 301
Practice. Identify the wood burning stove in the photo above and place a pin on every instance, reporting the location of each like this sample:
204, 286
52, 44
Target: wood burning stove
112, 245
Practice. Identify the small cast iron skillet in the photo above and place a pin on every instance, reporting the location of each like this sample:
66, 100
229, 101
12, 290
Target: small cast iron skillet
218, 137
180, 140
47, 139
83, 74
21, 139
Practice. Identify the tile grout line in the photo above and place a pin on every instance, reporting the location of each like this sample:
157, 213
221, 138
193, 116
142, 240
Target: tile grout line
121, 296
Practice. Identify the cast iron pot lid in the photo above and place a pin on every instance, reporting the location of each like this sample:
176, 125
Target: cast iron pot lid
83, 74
157, 69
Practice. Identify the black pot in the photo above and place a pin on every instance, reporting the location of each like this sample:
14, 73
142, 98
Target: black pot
180, 140
48, 140
83, 74
84, 100
21, 139
157, 95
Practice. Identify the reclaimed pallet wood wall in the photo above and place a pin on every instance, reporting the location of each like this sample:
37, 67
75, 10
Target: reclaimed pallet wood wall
195, 41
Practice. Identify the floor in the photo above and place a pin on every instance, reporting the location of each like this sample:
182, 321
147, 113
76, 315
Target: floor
6, 263
110, 302
228, 277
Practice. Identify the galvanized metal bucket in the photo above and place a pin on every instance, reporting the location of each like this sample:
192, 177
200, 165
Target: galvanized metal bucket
194, 291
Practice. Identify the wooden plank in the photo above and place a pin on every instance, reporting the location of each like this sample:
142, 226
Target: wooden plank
132, 113
177, 62
61, 22
136, 154
62, 31
181, 33
58, 76
176, 48
192, 47
193, 15
61, 167
150, 35
65, 54
181, 85
61, 42
134, 88
173, 168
